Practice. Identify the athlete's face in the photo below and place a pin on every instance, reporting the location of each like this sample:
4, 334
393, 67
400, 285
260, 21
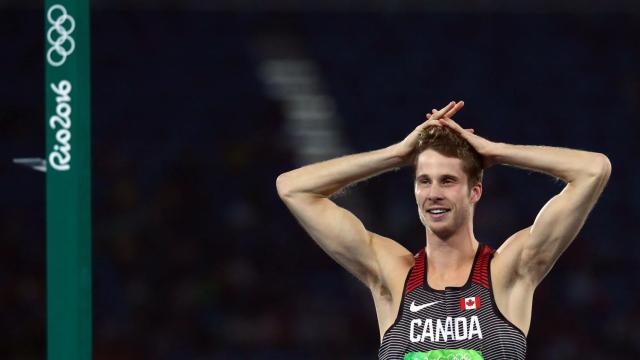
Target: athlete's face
443, 196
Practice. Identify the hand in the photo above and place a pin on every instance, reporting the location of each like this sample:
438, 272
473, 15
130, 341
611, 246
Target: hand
407, 146
483, 146
447, 115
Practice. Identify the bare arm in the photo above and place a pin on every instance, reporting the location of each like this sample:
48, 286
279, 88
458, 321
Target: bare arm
526, 257
537, 248
337, 231
532, 252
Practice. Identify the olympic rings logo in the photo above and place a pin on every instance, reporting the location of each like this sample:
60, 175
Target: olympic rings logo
64, 44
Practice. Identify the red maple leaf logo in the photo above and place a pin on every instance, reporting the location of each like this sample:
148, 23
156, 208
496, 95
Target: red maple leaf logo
470, 302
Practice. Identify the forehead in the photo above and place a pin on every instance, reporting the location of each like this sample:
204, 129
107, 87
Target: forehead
434, 164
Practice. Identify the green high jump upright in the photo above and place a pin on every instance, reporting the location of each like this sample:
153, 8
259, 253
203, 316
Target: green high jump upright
68, 189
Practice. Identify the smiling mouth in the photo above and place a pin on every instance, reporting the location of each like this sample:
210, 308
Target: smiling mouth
438, 214
438, 211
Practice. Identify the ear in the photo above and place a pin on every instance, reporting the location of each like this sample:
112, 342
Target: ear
476, 192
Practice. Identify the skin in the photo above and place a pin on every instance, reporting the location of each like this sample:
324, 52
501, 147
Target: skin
381, 263
441, 182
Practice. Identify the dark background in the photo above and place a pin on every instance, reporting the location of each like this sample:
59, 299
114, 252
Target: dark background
197, 108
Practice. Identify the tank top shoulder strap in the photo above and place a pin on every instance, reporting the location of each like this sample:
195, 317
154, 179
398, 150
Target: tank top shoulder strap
480, 274
416, 274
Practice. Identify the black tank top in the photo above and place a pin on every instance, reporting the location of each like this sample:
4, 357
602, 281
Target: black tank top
455, 323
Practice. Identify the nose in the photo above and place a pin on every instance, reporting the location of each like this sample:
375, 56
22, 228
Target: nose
434, 193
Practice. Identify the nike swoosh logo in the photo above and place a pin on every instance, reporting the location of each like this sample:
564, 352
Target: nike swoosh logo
415, 307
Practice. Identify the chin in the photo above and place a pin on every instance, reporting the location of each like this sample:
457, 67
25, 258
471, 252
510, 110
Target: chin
443, 232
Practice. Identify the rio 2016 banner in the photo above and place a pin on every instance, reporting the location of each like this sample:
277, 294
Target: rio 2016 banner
68, 188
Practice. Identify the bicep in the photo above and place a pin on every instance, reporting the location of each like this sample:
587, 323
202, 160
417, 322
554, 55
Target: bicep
556, 226
524, 259
339, 233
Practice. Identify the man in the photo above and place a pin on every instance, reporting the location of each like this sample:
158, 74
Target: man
456, 298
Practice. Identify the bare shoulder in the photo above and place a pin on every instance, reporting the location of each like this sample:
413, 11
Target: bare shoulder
394, 261
506, 258
512, 292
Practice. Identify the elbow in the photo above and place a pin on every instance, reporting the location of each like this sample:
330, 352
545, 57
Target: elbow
596, 171
283, 185
600, 167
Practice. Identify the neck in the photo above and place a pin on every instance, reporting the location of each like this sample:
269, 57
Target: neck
452, 252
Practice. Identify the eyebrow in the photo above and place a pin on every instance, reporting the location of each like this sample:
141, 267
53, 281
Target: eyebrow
441, 177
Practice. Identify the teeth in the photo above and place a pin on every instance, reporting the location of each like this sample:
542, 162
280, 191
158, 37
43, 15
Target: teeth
437, 211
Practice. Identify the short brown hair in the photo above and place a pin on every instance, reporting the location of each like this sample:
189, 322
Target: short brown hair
449, 143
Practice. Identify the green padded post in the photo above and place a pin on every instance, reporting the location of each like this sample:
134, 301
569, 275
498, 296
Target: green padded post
68, 189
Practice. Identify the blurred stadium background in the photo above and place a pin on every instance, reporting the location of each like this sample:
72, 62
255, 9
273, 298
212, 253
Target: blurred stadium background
197, 107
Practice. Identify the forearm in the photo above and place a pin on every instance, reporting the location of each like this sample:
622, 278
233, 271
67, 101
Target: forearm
567, 164
327, 177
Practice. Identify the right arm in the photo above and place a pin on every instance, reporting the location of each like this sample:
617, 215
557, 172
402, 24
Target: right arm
337, 231
306, 191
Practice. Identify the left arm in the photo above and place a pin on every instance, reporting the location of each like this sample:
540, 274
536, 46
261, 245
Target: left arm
524, 259
533, 251
529, 254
